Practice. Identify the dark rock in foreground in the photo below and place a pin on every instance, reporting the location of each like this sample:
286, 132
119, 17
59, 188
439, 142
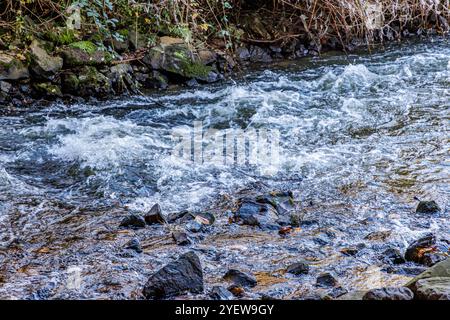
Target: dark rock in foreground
155, 216
393, 256
240, 278
326, 280
133, 221
428, 207
437, 288
220, 293
401, 293
416, 250
178, 277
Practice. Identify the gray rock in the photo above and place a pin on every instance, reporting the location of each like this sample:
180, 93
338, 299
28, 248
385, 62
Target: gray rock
133, 221
74, 56
194, 226
257, 214
428, 207
134, 244
12, 68
177, 60
44, 65
220, 293
5, 86
326, 280
392, 255
121, 78
389, 293
137, 40
155, 216
436, 288
86, 82
298, 268
441, 269
178, 277
181, 238
240, 278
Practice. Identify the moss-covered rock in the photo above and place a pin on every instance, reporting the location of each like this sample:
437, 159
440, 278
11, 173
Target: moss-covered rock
43, 65
11, 68
48, 89
86, 81
84, 53
177, 59
61, 36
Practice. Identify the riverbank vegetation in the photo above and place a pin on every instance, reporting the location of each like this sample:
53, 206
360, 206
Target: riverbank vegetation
101, 48
234, 21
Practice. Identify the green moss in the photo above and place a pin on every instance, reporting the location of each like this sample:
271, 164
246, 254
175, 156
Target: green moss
195, 69
61, 36
86, 46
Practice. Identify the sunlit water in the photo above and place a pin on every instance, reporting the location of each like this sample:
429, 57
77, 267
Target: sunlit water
360, 137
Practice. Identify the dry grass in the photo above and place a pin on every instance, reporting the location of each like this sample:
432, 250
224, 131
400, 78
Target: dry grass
318, 20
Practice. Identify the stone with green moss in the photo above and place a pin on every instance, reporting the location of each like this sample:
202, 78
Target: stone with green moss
177, 59
84, 53
48, 89
11, 68
86, 81
61, 36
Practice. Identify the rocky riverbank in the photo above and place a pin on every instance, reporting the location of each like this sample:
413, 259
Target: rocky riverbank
46, 70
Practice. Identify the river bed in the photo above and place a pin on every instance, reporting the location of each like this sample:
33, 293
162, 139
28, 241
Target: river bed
361, 137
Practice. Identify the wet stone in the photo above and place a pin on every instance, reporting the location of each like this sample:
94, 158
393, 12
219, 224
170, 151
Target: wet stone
430, 259
388, 293
181, 238
155, 216
436, 288
392, 255
194, 226
298, 268
428, 207
133, 221
236, 290
178, 277
326, 280
416, 250
221, 293
335, 293
134, 244
240, 278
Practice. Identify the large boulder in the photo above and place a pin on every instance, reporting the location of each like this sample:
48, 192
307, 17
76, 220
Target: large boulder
389, 293
11, 68
181, 276
437, 288
177, 59
441, 269
86, 82
84, 53
44, 65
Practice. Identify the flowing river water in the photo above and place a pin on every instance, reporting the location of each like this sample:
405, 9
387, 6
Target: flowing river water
361, 137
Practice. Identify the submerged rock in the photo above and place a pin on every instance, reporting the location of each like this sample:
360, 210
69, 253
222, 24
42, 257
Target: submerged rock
415, 251
178, 277
155, 216
298, 268
257, 214
392, 255
240, 278
221, 293
326, 280
133, 221
389, 293
134, 244
181, 238
428, 207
